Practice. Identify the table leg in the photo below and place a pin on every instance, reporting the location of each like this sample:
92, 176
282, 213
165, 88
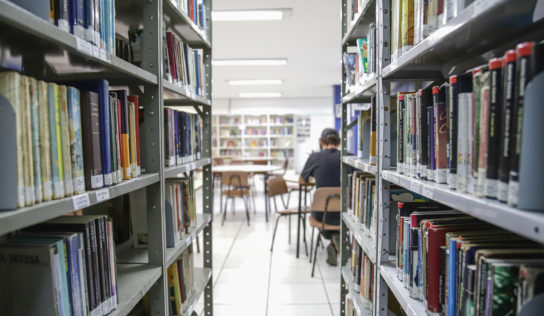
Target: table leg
298, 219
266, 201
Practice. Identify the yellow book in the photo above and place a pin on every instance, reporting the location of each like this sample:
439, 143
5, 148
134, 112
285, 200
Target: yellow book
407, 26
132, 138
65, 141
173, 283
45, 142
28, 162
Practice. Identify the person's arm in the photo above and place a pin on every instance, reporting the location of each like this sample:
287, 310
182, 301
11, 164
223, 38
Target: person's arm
309, 168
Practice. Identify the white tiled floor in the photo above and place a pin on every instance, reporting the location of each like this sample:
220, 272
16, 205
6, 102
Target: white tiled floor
251, 280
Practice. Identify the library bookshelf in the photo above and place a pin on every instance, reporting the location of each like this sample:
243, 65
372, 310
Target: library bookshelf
452, 49
140, 271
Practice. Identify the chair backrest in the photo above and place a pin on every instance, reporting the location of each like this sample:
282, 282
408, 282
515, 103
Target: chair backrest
235, 178
276, 186
260, 162
323, 194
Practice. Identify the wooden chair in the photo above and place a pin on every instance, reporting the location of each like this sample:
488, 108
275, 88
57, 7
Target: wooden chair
278, 187
284, 166
237, 185
326, 200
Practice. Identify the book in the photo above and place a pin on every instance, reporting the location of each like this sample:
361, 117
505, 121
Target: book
132, 136
65, 141
45, 141
373, 156
494, 129
464, 132
134, 99
440, 132
76, 142
484, 133
453, 110
92, 151
57, 165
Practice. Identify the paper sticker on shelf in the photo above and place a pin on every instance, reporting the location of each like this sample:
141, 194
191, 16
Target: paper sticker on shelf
428, 191
415, 186
81, 201
84, 46
102, 195
96, 51
102, 55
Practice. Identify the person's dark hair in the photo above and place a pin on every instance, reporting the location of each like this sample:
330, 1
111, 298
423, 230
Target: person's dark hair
330, 136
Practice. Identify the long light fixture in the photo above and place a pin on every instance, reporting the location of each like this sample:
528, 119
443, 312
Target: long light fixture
254, 82
248, 15
250, 62
260, 94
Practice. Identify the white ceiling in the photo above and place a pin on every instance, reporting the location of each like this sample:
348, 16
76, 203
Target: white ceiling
309, 37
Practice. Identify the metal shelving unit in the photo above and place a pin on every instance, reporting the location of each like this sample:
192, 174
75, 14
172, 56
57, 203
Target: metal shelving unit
483, 29
140, 272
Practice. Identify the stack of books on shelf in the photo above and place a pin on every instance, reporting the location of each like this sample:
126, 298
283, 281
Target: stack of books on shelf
458, 265
366, 131
254, 131
91, 21
255, 120
362, 273
194, 9
180, 209
476, 132
65, 266
61, 140
181, 282
350, 310
414, 20
281, 131
183, 66
360, 61
182, 137
363, 201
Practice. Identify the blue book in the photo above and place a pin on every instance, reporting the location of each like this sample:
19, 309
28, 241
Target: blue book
90, 21
170, 239
198, 137
188, 150
77, 17
101, 87
107, 25
197, 72
176, 136
452, 277
102, 23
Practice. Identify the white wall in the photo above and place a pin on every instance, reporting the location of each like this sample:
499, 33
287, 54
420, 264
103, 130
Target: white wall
319, 110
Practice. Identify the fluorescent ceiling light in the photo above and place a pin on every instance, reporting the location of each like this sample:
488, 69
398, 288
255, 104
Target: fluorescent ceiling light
250, 62
260, 94
248, 15
256, 82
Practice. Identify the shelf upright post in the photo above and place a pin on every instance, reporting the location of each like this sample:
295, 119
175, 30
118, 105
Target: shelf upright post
207, 170
344, 237
384, 151
153, 160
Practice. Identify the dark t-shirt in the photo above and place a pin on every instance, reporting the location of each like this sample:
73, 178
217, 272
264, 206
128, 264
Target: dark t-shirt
324, 166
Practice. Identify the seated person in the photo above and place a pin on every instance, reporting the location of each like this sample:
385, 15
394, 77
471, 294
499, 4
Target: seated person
324, 166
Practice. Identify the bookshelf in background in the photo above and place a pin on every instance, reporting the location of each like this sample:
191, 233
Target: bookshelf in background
83, 136
256, 135
431, 168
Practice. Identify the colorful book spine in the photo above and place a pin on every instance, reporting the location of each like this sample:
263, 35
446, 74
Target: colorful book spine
45, 141
27, 142
76, 141
134, 99
475, 148
133, 149
494, 128
441, 134
56, 141
431, 166
65, 141
34, 109
400, 133
484, 133
113, 139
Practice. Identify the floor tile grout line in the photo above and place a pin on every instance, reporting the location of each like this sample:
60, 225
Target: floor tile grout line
325, 288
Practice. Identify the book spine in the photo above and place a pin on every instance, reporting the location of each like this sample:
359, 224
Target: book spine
493, 142
113, 139
524, 53
132, 126
65, 141
105, 263
125, 139
119, 140
36, 151
27, 147
79, 19
373, 113
400, 133
62, 15
441, 136
506, 123
76, 146
105, 132
90, 21
431, 164
452, 132
45, 141
484, 133
476, 106
95, 274
452, 282
464, 132
90, 129
56, 149
112, 271
75, 290
134, 99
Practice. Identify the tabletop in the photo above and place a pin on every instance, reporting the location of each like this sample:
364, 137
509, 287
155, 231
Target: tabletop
245, 168
294, 178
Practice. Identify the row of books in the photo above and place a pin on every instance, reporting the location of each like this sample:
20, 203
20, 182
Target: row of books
181, 282
362, 273
459, 265
182, 136
184, 66
180, 205
355, 8
414, 20
349, 306
366, 131
194, 9
89, 20
63, 139
360, 61
470, 132
65, 266
363, 202
281, 131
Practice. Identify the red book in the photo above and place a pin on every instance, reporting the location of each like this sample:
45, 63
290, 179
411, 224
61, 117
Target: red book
192, 10
134, 99
170, 42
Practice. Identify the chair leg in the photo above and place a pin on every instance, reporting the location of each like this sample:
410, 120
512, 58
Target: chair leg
274, 233
233, 205
303, 222
312, 244
253, 201
225, 211
289, 237
247, 209
315, 254
322, 243
197, 245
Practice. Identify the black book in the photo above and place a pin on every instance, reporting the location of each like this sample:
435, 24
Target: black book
400, 133
493, 144
506, 124
426, 99
452, 131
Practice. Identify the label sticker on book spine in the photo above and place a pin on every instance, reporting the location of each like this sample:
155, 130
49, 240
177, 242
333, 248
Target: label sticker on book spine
102, 195
81, 201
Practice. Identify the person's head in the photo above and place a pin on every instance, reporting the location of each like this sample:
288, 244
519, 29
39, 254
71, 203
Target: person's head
329, 139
